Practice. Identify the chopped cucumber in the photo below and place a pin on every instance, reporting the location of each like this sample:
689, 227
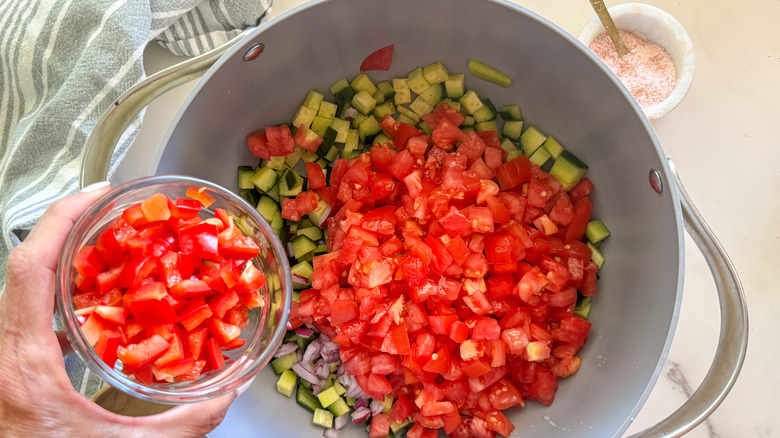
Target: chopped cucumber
305, 398
264, 178
313, 100
363, 102
362, 82
323, 418
568, 169
455, 85
275, 163
385, 109
286, 383
511, 112
531, 139
471, 102
435, 73
582, 308
281, 364
339, 407
327, 397
250, 195
541, 156
290, 183
245, 177
342, 91
369, 127
268, 208
488, 73
327, 109
408, 113
416, 81
302, 245
312, 232
490, 125
595, 255
552, 146
385, 89
403, 94
420, 106
433, 95
485, 112
304, 269
512, 129
596, 231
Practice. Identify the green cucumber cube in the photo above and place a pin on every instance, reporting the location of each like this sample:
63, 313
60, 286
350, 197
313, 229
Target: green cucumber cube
286, 383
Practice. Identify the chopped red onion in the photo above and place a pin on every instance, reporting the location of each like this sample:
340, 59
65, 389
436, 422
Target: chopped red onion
305, 373
316, 388
299, 279
290, 250
330, 352
304, 332
350, 113
312, 350
354, 390
341, 421
362, 402
344, 380
286, 349
322, 370
330, 433
376, 407
361, 415
298, 355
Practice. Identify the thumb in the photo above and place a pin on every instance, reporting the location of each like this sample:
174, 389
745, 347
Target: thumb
184, 421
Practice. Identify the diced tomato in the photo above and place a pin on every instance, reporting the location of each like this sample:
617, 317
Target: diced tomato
378, 60
316, 176
280, 141
307, 139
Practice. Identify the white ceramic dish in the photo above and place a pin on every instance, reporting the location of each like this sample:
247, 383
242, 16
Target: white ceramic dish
661, 28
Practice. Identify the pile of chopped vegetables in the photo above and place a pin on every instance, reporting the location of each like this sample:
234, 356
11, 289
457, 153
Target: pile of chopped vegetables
441, 262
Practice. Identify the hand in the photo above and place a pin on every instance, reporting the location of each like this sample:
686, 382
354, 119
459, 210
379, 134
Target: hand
37, 397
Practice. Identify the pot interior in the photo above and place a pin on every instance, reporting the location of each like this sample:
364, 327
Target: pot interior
561, 88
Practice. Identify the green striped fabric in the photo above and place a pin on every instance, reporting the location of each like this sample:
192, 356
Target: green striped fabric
62, 63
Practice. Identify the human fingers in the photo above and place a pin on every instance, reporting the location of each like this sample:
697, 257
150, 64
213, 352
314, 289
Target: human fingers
183, 421
32, 266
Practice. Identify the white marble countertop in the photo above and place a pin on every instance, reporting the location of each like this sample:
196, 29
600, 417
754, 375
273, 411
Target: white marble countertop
723, 138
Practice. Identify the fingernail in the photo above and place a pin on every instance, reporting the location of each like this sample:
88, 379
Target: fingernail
95, 186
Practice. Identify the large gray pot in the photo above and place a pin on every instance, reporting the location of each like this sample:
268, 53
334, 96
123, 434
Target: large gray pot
564, 90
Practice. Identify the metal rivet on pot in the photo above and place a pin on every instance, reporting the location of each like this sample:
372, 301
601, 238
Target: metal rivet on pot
254, 52
655, 181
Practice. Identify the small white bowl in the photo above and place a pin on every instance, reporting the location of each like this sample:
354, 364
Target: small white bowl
661, 28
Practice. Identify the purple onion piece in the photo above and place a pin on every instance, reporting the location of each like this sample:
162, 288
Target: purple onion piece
330, 433
299, 279
341, 421
361, 415
330, 352
350, 113
304, 332
376, 407
322, 369
344, 380
362, 402
286, 349
312, 350
305, 373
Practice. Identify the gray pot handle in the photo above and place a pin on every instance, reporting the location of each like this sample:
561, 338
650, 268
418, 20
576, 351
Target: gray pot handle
104, 137
732, 344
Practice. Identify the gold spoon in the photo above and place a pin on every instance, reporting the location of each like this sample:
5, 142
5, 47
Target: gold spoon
609, 25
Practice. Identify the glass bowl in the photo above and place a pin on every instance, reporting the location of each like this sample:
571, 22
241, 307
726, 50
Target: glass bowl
266, 324
661, 28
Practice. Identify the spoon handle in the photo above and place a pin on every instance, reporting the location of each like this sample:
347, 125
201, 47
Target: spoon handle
609, 25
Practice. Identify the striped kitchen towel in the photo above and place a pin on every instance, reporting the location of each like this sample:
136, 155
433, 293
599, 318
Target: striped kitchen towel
62, 63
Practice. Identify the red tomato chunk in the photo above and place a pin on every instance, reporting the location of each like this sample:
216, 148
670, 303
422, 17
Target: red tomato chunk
165, 291
465, 274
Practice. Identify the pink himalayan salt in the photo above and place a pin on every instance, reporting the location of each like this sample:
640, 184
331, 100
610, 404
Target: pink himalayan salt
646, 70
